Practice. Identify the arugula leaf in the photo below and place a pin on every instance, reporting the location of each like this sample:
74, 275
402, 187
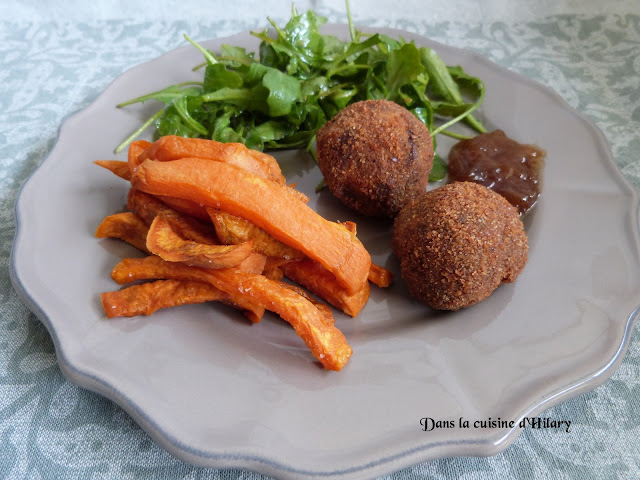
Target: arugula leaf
354, 49
300, 78
284, 91
218, 76
424, 114
442, 83
438, 170
403, 68
445, 81
302, 33
252, 99
234, 57
167, 95
180, 105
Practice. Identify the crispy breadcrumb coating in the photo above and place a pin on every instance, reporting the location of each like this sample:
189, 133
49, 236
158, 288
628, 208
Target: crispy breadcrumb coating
457, 243
375, 156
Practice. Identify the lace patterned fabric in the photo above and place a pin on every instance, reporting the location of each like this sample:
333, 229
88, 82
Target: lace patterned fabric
50, 428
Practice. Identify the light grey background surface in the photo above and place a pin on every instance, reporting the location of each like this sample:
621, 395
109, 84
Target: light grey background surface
251, 12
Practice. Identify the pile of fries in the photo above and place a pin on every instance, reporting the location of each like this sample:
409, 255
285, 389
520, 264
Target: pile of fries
219, 223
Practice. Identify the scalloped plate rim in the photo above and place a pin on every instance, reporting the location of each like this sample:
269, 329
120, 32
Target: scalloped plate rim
384, 465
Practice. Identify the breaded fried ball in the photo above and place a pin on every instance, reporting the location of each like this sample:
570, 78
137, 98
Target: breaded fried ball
375, 156
457, 243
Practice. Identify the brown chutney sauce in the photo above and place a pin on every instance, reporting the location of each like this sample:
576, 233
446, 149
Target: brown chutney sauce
505, 166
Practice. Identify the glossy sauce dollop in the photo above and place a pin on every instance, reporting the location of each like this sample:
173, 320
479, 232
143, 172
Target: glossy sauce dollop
505, 166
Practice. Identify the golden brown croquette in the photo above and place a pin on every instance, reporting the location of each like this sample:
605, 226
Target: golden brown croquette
375, 156
457, 243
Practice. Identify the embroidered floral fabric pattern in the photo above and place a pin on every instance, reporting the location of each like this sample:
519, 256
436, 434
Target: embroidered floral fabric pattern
50, 428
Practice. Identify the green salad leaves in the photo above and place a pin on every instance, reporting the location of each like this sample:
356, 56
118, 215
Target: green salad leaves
300, 78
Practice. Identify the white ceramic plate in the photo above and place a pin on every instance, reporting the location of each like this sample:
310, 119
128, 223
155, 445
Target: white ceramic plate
216, 391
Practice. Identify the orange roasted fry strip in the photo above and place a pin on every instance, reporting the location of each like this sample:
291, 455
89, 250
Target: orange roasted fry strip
186, 207
127, 226
233, 230
380, 276
172, 147
327, 315
326, 342
350, 226
267, 205
148, 207
164, 242
136, 148
274, 272
146, 298
253, 265
301, 196
320, 281
297, 193
117, 167
130, 227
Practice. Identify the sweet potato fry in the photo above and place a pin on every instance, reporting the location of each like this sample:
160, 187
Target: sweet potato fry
273, 271
127, 226
148, 207
130, 227
327, 315
146, 298
267, 205
320, 281
233, 230
250, 309
297, 193
380, 276
254, 263
164, 242
350, 226
326, 342
117, 167
186, 207
136, 148
172, 147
